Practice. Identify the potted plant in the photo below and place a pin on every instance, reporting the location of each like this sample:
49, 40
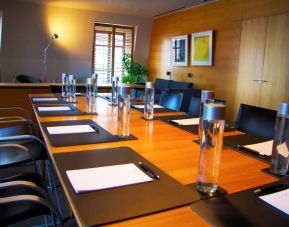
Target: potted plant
134, 71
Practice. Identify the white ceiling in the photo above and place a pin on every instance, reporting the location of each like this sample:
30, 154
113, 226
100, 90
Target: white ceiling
146, 8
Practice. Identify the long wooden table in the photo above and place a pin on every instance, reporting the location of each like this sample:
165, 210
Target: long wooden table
173, 151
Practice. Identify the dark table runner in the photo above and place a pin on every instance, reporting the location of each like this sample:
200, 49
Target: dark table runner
156, 110
110, 205
239, 210
189, 128
246, 139
73, 139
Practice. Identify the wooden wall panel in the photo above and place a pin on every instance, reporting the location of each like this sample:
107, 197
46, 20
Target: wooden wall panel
251, 61
225, 18
276, 63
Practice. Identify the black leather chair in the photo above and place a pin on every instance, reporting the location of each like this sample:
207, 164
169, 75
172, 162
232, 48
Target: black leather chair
188, 93
160, 85
180, 84
20, 200
256, 121
26, 79
171, 100
194, 107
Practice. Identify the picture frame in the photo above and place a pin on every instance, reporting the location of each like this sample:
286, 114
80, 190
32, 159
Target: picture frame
202, 48
179, 51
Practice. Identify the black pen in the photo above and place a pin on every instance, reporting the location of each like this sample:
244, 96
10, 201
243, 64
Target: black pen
271, 189
149, 171
173, 122
97, 130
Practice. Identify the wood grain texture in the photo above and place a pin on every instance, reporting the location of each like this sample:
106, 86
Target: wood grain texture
225, 18
172, 150
251, 61
276, 63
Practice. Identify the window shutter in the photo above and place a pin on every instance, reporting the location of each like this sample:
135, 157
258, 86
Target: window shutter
110, 43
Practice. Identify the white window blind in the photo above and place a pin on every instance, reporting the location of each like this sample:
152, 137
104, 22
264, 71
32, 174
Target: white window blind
110, 43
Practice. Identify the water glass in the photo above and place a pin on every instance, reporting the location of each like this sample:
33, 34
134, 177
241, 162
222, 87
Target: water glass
72, 90
280, 151
91, 104
91, 87
65, 85
114, 90
123, 113
206, 97
149, 101
211, 144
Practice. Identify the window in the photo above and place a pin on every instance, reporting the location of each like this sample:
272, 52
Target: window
109, 45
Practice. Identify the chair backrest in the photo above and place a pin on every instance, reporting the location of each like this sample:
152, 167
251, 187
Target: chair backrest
188, 93
180, 84
26, 79
161, 85
256, 120
171, 100
194, 107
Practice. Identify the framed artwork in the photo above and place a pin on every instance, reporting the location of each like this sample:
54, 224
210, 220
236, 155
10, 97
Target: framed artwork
202, 48
179, 51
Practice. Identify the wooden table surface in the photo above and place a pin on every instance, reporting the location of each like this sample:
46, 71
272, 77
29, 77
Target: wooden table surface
172, 150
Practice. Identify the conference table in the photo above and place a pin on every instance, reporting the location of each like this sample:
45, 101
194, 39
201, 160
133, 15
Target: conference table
170, 149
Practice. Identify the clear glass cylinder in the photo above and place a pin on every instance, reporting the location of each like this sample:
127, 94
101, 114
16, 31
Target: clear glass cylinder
65, 85
91, 87
72, 90
90, 104
206, 97
114, 91
280, 151
123, 116
149, 101
211, 144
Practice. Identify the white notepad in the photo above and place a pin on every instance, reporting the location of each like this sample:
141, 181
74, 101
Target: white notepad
53, 108
264, 148
190, 121
92, 179
44, 99
69, 129
142, 106
279, 200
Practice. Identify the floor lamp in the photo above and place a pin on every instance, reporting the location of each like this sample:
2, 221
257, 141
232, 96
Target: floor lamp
55, 36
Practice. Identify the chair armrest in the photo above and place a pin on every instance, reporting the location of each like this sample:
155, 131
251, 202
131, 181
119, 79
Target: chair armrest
20, 137
17, 108
18, 146
30, 199
24, 184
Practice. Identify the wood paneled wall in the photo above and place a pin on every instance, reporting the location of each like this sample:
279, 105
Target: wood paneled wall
225, 18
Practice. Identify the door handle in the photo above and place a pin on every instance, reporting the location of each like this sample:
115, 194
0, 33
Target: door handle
261, 81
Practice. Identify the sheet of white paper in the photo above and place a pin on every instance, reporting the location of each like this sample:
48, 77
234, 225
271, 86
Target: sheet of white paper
98, 178
190, 121
69, 129
44, 99
142, 106
264, 148
278, 200
53, 108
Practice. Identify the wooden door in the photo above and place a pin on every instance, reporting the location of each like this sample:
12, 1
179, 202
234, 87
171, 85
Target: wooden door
276, 63
251, 60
